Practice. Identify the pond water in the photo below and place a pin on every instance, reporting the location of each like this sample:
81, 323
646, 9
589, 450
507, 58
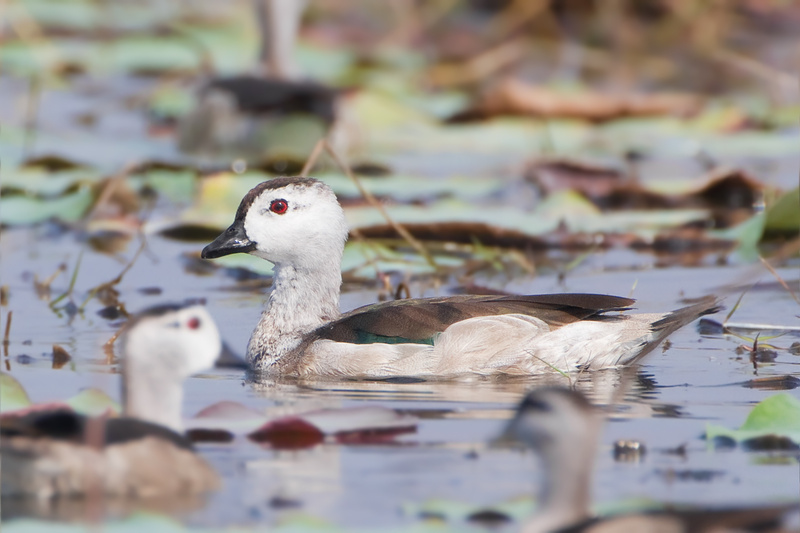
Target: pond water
674, 393
444, 468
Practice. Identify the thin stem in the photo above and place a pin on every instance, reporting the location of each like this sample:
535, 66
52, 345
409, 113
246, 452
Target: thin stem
404, 233
312, 159
6, 341
71, 282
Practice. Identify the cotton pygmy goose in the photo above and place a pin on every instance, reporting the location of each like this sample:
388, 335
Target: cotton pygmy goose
48, 453
297, 224
563, 428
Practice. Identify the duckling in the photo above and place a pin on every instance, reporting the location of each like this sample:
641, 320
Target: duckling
563, 428
297, 224
51, 453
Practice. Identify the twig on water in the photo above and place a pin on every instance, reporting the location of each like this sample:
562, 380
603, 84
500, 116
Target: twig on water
7, 333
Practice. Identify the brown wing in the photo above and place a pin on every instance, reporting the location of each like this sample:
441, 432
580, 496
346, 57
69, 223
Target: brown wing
65, 424
420, 319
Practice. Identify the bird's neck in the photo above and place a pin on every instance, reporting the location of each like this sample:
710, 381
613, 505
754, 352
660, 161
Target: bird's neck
566, 492
302, 299
151, 393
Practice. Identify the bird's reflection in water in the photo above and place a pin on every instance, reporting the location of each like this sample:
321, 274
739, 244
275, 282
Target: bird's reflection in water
90, 509
627, 393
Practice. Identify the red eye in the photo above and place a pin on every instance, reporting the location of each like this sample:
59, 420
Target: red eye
279, 206
193, 323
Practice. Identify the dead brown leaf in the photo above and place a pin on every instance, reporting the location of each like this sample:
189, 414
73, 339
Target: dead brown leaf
553, 175
52, 163
114, 199
60, 356
731, 194
514, 97
686, 246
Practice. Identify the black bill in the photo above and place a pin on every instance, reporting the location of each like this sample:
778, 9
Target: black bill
233, 240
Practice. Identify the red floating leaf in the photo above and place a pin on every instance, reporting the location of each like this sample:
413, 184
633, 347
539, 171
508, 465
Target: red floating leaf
289, 433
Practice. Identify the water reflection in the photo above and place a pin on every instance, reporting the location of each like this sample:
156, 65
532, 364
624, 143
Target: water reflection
66, 509
625, 393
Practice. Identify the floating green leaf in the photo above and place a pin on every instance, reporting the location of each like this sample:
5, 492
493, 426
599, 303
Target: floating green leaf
783, 216
92, 402
12, 395
148, 53
40, 182
141, 521
177, 185
747, 234
171, 101
777, 415
20, 210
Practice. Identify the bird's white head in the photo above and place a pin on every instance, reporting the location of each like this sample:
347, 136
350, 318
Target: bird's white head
179, 339
288, 221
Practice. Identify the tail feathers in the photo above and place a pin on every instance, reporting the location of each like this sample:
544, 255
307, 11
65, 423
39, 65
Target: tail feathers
675, 320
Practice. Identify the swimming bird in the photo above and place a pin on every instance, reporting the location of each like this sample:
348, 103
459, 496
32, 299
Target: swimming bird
297, 224
563, 428
57, 452
233, 115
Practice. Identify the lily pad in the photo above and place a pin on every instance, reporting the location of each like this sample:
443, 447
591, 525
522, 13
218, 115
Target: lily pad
136, 522
66, 14
35, 180
747, 234
12, 394
171, 101
152, 54
177, 185
93, 402
18, 210
777, 416
783, 216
